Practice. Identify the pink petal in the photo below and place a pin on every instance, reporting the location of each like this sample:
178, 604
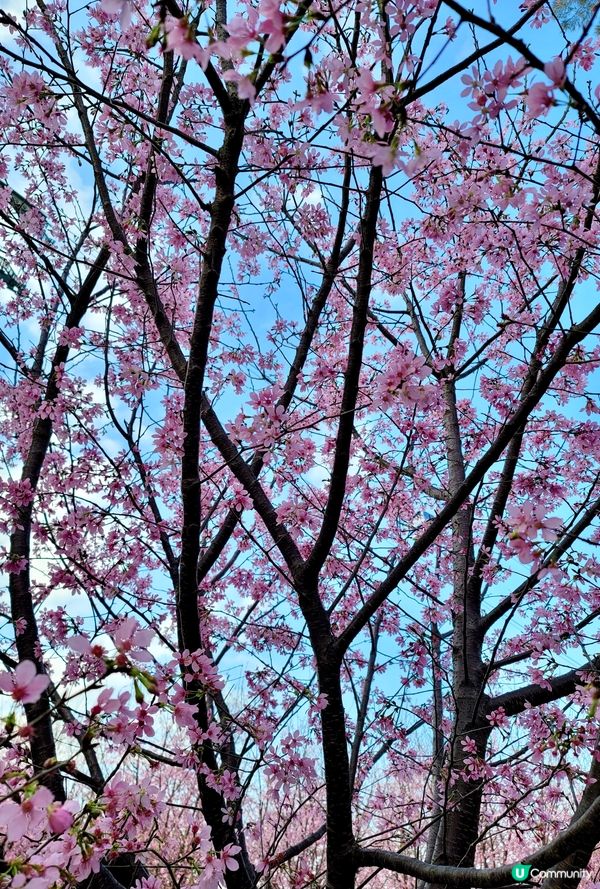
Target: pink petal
79, 643
39, 685
25, 672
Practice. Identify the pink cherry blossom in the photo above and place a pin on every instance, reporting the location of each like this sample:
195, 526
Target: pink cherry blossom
555, 71
298, 392
60, 818
228, 855
498, 717
212, 874
83, 645
245, 87
181, 39
27, 816
242, 30
540, 98
131, 639
469, 745
272, 23
124, 8
25, 684
529, 520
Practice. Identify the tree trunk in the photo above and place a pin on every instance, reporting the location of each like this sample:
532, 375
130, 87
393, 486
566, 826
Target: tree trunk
341, 865
459, 829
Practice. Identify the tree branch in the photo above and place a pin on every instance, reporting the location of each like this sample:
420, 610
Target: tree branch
574, 336
486, 878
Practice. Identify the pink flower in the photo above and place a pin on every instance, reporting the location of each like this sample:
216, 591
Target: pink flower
449, 28
201, 669
320, 703
529, 519
402, 377
107, 704
182, 39
526, 521
539, 99
211, 875
469, 745
83, 645
15, 564
498, 717
26, 816
71, 336
523, 549
20, 493
148, 883
555, 71
472, 82
242, 30
228, 856
20, 626
27, 88
382, 121
130, 639
183, 713
25, 685
367, 87
537, 677
245, 87
272, 23
59, 818
122, 7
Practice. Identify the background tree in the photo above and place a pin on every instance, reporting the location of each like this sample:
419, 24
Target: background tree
573, 12
299, 444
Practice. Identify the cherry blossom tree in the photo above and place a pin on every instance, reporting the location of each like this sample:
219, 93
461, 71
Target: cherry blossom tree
300, 477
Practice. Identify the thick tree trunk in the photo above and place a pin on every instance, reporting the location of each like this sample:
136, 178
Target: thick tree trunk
341, 865
457, 835
188, 619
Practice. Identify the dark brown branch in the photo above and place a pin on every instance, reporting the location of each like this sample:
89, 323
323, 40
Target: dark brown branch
581, 854
508, 37
552, 556
243, 472
514, 702
449, 73
298, 848
43, 749
574, 336
341, 460
468, 877
338, 254
188, 618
